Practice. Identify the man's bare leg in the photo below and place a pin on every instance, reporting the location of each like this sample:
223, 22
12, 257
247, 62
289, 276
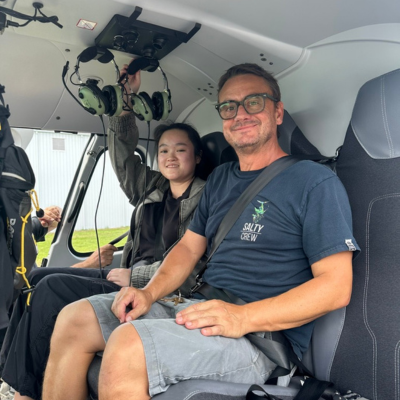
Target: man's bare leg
123, 373
76, 339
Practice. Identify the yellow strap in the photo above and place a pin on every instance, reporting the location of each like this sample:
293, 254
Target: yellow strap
33, 195
21, 269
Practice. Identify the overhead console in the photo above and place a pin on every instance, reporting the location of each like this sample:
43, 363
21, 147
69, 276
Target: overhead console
129, 35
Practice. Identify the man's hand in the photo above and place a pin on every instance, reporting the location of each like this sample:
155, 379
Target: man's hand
214, 317
139, 300
106, 257
120, 276
51, 217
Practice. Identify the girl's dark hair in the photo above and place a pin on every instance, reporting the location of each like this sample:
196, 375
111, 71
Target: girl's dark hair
193, 135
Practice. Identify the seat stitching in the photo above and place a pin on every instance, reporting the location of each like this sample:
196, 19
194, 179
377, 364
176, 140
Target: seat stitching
385, 119
365, 317
396, 369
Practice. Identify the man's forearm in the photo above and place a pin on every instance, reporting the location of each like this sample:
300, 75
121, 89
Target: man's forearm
326, 292
171, 274
177, 266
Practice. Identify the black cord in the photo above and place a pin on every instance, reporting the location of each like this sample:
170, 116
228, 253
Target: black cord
34, 17
145, 164
70, 79
125, 95
98, 202
65, 70
145, 171
167, 87
145, 177
15, 24
147, 150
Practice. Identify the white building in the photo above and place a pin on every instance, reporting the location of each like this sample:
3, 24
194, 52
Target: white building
54, 158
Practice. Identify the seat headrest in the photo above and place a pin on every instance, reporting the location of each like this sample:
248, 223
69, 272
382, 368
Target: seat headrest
216, 151
376, 116
292, 140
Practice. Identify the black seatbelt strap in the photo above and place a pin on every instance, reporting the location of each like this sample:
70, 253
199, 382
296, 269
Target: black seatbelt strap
119, 238
264, 395
276, 346
240, 204
313, 389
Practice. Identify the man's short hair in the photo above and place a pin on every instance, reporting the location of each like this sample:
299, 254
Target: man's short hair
251, 69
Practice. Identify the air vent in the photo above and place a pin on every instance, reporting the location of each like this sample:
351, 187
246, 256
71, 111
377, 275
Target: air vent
264, 59
209, 89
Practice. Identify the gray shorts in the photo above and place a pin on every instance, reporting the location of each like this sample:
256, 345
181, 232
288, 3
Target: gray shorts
174, 353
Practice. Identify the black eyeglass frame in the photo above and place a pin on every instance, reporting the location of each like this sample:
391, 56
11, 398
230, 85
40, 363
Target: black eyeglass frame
241, 103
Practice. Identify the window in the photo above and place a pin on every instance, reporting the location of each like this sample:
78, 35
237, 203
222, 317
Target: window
113, 215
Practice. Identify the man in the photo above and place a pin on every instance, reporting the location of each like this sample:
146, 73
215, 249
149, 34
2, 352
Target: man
294, 267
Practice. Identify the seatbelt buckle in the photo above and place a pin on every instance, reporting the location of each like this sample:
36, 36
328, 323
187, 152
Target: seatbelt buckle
197, 286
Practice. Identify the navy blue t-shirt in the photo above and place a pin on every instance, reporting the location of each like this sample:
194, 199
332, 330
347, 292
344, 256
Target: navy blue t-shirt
300, 217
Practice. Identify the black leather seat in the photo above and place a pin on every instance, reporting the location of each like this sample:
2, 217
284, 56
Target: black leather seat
216, 151
367, 358
356, 348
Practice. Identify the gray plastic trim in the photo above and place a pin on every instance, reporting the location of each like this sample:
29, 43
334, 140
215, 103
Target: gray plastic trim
375, 120
327, 332
285, 131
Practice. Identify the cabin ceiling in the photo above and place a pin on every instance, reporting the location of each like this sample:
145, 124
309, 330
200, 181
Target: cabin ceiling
275, 34
292, 22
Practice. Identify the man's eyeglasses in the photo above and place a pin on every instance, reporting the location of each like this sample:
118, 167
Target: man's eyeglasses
253, 104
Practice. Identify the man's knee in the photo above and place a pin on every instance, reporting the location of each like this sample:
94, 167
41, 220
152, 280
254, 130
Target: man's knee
74, 319
124, 343
124, 364
77, 326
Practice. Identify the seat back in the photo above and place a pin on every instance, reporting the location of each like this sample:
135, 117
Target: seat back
216, 150
292, 140
367, 357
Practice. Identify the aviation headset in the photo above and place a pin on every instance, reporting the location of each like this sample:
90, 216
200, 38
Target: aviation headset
159, 105
110, 99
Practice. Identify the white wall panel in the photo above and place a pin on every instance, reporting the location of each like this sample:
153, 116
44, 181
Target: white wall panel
55, 170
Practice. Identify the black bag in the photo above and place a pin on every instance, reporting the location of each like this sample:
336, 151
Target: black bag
17, 247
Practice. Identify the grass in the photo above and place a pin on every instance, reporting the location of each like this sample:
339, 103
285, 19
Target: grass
83, 241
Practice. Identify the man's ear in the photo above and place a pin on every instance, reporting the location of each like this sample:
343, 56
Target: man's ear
279, 111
